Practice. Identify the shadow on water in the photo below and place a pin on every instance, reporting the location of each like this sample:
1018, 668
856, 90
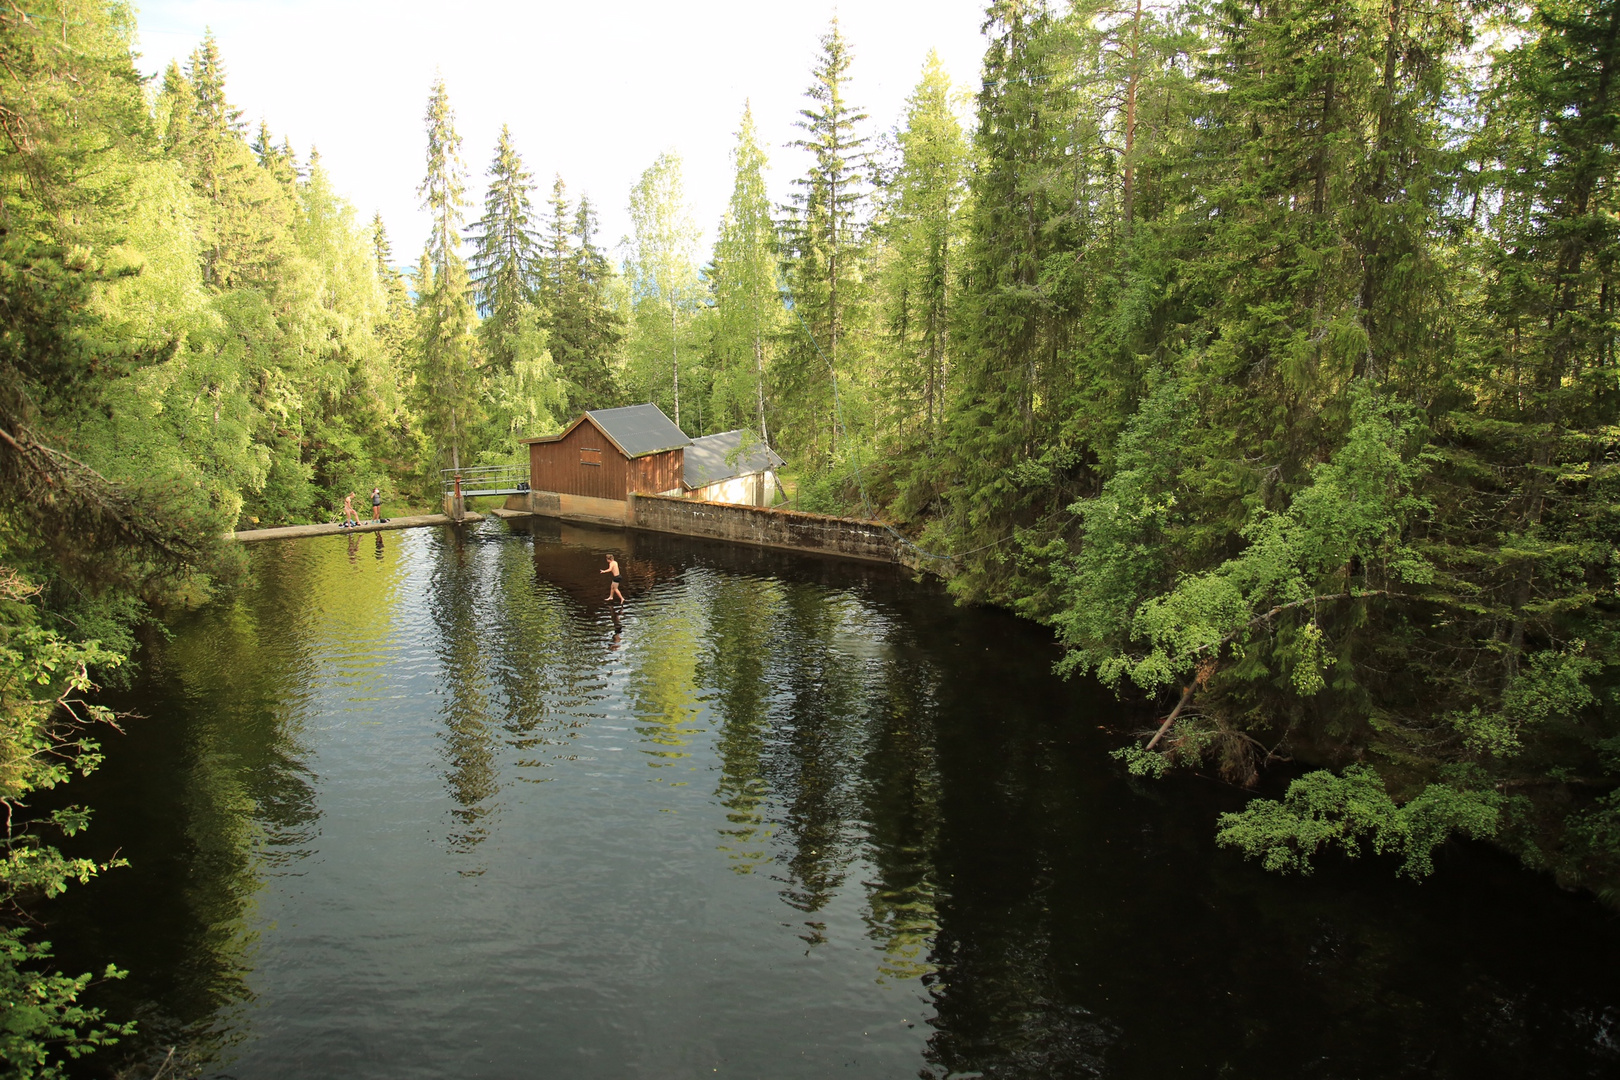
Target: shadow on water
441, 809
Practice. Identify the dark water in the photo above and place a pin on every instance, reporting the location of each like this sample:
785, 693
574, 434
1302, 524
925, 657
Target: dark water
415, 806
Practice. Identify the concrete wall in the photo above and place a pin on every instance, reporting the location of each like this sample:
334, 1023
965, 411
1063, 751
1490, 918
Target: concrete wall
579, 508
790, 530
848, 537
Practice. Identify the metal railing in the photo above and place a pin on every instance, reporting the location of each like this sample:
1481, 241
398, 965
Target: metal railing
486, 480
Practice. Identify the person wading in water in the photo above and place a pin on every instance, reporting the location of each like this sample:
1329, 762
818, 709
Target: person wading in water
613, 568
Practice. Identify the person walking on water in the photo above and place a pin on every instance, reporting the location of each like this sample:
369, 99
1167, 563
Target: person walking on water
349, 520
376, 506
613, 568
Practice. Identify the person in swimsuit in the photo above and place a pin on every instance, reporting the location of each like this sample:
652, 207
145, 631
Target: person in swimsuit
349, 520
376, 505
613, 568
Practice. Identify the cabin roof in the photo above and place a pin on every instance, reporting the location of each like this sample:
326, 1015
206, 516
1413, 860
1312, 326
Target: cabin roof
720, 457
635, 430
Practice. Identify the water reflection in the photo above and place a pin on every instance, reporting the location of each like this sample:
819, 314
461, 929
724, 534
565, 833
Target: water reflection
458, 587
735, 661
446, 811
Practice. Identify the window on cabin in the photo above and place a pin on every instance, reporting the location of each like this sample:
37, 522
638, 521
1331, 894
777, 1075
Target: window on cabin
590, 457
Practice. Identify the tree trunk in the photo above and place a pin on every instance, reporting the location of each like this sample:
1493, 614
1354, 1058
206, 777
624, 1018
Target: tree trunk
675, 362
1131, 81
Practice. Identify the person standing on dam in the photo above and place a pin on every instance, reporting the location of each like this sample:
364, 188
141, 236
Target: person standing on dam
613, 586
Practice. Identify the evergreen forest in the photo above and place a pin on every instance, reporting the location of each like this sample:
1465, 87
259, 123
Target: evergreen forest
1265, 352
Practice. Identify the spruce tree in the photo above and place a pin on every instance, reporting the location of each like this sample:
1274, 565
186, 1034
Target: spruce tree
583, 329
505, 261
556, 252
1013, 330
446, 375
743, 281
824, 240
922, 234
592, 329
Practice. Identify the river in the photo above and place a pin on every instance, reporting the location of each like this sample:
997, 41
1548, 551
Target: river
421, 804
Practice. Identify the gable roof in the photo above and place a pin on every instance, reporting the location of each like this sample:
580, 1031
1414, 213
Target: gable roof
720, 457
635, 430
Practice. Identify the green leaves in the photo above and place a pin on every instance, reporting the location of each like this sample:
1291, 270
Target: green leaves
39, 1012
1352, 812
42, 712
1552, 683
1342, 538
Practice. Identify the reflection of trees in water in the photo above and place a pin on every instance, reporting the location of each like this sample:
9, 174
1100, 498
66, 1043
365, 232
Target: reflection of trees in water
828, 733
662, 657
742, 613
470, 739
230, 801
810, 767
901, 796
1010, 991
550, 681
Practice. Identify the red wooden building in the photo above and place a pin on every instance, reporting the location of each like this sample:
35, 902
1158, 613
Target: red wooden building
604, 457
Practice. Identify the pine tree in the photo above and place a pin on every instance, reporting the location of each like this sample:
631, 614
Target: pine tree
505, 260
743, 278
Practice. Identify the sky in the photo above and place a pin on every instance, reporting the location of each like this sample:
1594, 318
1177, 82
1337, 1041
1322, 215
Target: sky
592, 89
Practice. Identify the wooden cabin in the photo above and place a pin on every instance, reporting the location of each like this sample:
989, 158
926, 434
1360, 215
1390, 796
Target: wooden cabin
592, 468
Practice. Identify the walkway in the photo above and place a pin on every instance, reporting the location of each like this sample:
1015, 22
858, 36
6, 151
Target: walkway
486, 480
330, 529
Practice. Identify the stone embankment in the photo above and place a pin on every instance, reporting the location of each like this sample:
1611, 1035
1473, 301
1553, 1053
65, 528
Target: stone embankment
329, 529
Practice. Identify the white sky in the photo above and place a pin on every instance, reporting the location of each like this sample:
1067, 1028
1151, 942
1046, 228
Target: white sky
593, 89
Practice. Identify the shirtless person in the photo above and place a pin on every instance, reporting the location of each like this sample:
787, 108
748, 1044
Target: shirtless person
613, 568
349, 520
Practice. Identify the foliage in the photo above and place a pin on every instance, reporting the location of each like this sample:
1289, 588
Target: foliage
746, 314
664, 281
42, 744
1266, 352
1353, 809
823, 243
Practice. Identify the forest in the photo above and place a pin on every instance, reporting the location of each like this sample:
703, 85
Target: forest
1265, 352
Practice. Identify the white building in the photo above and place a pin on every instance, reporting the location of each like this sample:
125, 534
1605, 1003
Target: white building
731, 467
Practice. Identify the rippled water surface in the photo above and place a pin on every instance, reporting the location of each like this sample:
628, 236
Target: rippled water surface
421, 805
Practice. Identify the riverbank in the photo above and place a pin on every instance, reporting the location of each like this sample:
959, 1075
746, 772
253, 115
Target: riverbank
455, 748
287, 532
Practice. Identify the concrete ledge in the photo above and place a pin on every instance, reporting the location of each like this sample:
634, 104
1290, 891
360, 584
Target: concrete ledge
787, 530
583, 508
509, 513
289, 531
790, 530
